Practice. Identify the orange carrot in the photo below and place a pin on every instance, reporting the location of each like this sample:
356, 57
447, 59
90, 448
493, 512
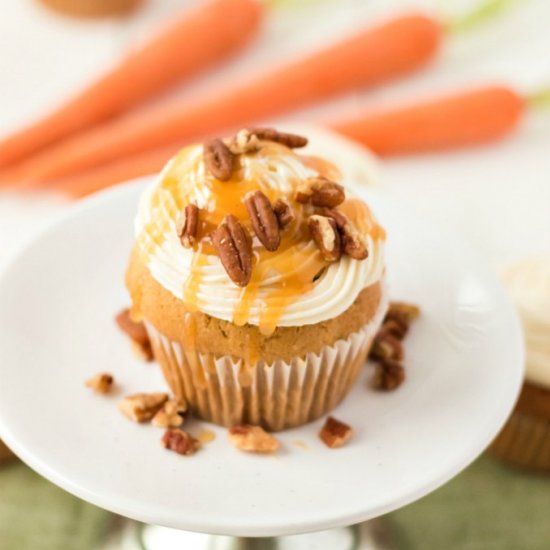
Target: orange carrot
468, 118
142, 164
197, 39
373, 56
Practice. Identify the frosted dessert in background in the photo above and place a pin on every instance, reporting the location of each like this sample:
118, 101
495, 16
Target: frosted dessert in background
525, 440
259, 278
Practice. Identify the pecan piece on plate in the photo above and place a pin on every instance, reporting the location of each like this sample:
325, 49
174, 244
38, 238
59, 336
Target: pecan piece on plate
137, 334
141, 407
283, 211
182, 443
218, 159
388, 375
326, 237
188, 225
101, 383
244, 142
352, 241
172, 414
253, 439
263, 218
386, 347
335, 433
320, 191
235, 250
292, 141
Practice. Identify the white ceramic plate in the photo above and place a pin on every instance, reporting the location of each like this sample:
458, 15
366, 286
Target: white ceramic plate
57, 302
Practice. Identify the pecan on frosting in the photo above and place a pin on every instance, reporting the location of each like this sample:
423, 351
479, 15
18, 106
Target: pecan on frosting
234, 249
218, 159
264, 220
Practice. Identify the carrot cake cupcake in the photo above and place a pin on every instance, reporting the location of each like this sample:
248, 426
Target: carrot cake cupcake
525, 439
259, 278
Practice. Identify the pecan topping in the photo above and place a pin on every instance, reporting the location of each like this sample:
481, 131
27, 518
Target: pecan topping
141, 344
244, 142
180, 442
101, 383
218, 159
172, 414
235, 250
263, 218
353, 243
388, 375
283, 211
292, 141
320, 191
141, 407
335, 433
326, 237
188, 225
386, 346
252, 439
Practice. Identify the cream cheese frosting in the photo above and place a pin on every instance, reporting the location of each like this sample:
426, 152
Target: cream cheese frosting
528, 283
283, 291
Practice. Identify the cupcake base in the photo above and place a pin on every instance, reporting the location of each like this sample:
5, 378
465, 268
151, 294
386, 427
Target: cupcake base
525, 439
277, 396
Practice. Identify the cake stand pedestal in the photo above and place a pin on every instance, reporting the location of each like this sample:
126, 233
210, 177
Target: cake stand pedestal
57, 303
369, 535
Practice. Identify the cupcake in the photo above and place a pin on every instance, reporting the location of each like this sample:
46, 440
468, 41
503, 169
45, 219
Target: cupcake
92, 8
5, 453
259, 279
525, 439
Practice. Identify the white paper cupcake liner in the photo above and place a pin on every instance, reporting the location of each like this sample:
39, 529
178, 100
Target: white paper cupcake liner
276, 396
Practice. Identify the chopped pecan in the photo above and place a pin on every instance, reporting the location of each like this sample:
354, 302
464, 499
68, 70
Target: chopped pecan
326, 237
101, 383
283, 211
320, 191
172, 414
218, 159
180, 442
263, 218
388, 375
353, 242
244, 142
188, 225
253, 439
141, 407
135, 331
143, 351
235, 250
335, 433
386, 347
410, 312
141, 344
396, 326
292, 141
399, 317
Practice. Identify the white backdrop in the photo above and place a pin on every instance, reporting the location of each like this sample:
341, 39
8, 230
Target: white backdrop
497, 196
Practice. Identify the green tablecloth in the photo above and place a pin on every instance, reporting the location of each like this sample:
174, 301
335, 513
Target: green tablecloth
487, 507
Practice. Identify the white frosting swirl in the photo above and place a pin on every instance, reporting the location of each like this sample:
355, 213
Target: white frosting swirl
528, 283
171, 264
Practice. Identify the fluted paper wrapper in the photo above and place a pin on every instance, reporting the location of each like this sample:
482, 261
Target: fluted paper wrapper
276, 396
524, 441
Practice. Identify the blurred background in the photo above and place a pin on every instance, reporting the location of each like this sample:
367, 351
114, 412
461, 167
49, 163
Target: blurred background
492, 186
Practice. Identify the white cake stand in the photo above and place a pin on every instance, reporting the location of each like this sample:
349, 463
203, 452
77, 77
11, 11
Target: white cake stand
57, 302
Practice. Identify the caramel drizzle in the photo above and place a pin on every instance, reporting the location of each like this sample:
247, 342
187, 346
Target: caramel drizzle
297, 264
